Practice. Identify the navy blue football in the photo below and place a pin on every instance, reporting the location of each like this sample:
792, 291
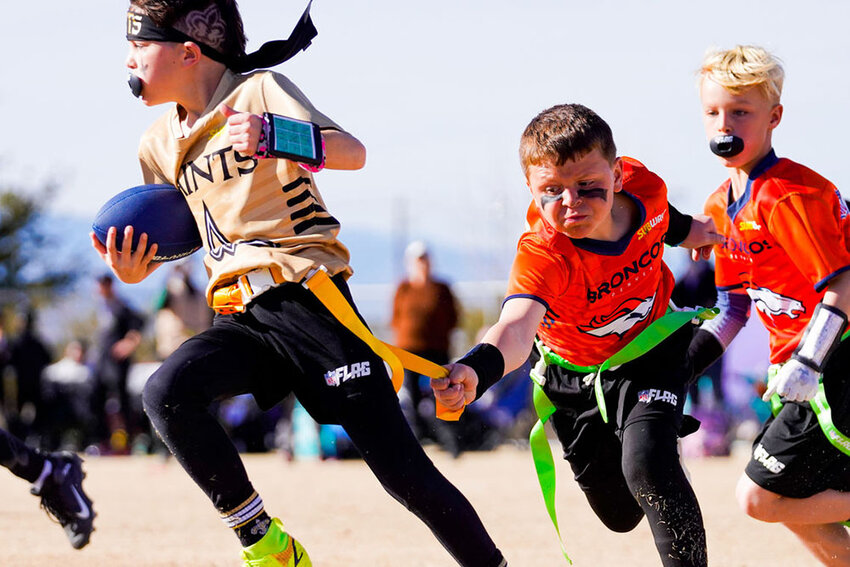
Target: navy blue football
158, 210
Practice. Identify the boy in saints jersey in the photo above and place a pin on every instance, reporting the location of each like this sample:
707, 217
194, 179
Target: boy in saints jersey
786, 248
265, 227
587, 280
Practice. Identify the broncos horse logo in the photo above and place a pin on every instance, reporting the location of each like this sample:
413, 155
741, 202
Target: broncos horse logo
624, 317
772, 304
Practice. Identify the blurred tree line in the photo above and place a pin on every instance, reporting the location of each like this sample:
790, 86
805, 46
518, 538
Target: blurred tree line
30, 273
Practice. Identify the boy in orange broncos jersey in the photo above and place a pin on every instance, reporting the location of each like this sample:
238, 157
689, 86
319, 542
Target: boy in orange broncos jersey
587, 279
785, 247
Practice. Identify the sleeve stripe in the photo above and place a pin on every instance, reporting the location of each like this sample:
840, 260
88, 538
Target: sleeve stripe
528, 296
825, 281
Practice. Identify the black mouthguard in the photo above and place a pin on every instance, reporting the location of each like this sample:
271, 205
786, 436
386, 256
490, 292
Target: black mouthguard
726, 146
135, 85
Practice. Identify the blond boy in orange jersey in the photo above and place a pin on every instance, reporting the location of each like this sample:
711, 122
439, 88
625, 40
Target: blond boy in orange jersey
786, 247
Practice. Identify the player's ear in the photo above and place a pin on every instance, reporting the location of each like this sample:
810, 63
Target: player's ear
617, 169
775, 115
191, 53
533, 196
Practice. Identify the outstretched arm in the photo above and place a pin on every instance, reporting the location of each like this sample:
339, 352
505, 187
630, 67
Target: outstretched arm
504, 347
715, 335
696, 232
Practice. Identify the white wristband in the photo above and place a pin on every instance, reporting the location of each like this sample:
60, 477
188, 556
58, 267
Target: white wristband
822, 335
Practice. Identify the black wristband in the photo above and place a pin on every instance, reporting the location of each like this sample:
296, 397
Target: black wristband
703, 351
679, 226
488, 363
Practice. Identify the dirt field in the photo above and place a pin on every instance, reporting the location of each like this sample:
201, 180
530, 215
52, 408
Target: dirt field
151, 514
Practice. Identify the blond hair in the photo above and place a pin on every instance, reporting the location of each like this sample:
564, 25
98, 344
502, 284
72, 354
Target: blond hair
742, 67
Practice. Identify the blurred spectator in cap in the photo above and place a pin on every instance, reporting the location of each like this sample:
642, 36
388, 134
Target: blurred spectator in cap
424, 314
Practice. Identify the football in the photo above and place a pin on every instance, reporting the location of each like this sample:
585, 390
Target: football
158, 210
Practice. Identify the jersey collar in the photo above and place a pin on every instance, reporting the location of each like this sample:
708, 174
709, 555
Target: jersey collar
734, 207
607, 248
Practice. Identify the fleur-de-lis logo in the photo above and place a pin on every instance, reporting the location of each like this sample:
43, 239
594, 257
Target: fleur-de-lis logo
206, 26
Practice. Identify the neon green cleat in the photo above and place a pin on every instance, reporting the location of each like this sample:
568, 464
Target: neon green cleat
276, 549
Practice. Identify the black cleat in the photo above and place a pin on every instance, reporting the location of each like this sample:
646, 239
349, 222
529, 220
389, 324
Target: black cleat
62, 497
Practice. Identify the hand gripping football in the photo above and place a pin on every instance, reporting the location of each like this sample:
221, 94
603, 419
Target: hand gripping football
158, 210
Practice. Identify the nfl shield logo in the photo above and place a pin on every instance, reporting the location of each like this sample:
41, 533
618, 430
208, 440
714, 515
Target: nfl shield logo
331, 379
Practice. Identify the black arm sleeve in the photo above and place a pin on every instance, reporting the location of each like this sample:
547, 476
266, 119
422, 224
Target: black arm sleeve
488, 363
703, 351
679, 227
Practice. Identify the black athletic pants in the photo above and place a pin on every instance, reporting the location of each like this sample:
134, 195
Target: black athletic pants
287, 341
629, 468
20, 459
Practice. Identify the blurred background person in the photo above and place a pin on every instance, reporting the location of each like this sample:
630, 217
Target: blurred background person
119, 335
4, 362
67, 388
28, 356
424, 314
181, 312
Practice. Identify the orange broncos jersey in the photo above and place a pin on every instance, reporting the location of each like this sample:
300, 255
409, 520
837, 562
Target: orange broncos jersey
598, 295
784, 239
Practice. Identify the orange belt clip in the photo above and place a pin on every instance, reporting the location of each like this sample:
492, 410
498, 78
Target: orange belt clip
233, 298
227, 300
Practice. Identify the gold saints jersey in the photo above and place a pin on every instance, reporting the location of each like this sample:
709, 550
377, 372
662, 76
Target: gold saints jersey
252, 213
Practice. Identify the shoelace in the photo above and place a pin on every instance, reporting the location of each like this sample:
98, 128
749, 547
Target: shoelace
63, 517
53, 513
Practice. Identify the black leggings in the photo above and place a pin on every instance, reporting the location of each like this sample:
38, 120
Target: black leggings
177, 398
644, 477
20, 459
630, 467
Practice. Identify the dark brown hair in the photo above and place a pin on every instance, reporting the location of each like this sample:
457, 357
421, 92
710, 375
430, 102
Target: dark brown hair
216, 23
565, 132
